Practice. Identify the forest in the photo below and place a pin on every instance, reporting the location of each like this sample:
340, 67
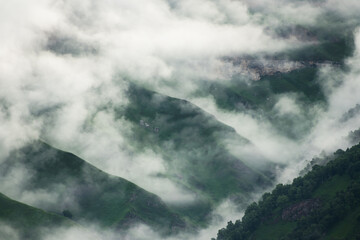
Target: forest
322, 204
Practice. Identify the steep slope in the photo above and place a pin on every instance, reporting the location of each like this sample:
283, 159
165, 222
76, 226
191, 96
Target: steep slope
90, 195
192, 143
324, 204
27, 221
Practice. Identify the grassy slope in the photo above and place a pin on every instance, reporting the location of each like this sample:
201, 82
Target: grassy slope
273, 231
96, 196
27, 221
348, 227
191, 142
330, 187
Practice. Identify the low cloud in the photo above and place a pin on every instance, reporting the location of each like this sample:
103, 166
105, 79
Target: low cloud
63, 62
8, 232
259, 131
64, 65
287, 105
225, 212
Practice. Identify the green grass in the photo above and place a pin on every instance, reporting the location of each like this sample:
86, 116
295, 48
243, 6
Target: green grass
274, 231
328, 189
347, 228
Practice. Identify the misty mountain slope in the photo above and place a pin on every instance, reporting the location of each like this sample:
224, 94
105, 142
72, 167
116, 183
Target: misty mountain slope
185, 112
27, 221
283, 88
324, 204
280, 98
89, 194
240, 95
193, 144
275, 78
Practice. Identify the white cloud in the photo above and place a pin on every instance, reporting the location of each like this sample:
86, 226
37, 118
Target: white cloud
225, 212
55, 91
7, 232
287, 105
260, 133
52, 88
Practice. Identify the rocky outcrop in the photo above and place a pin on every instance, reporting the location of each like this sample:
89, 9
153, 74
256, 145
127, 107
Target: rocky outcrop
301, 209
256, 68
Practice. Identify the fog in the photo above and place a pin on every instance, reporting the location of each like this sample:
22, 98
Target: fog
66, 65
63, 60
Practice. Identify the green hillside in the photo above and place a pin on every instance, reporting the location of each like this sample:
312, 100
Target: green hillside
192, 143
324, 204
87, 193
28, 221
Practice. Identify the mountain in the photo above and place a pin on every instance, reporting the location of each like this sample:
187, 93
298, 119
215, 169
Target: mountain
26, 220
193, 143
86, 193
206, 103
323, 204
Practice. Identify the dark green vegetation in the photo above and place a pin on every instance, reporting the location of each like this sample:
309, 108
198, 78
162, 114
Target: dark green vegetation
28, 221
85, 193
324, 204
192, 143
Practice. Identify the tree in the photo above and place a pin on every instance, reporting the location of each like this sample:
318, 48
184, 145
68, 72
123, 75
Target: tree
282, 200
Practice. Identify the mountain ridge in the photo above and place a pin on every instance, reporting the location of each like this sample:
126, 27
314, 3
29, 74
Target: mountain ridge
89, 194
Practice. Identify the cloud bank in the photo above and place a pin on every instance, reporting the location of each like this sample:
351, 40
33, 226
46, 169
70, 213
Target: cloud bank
64, 65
